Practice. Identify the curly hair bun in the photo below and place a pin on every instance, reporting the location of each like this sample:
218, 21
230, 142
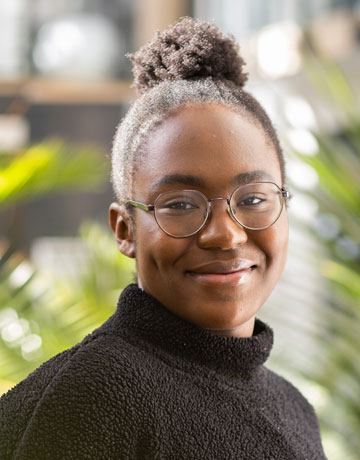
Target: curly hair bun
190, 49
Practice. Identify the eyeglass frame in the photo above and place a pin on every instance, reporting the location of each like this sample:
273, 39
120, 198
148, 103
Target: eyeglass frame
285, 195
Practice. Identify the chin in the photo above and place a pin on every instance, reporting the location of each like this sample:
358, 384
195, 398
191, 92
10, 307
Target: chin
226, 315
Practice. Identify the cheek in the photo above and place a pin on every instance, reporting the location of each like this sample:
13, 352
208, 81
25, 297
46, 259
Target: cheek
156, 252
274, 243
279, 243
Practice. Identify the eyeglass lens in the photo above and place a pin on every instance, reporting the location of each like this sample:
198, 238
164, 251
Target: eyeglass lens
182, 213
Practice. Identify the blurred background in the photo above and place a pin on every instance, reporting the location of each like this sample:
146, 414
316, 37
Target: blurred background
65, 85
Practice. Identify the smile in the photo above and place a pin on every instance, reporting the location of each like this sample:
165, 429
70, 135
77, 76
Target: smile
224, 279
223, 273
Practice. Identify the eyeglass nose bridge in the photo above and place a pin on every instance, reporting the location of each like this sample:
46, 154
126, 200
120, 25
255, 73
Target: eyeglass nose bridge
214, 199
210, 200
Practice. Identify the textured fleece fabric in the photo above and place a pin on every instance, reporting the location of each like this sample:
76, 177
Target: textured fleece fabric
149, 385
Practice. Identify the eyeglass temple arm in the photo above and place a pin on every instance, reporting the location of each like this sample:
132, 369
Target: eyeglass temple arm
144, 207
285, 193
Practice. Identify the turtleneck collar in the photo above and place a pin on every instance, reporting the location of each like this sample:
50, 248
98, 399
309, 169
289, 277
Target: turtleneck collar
145, 318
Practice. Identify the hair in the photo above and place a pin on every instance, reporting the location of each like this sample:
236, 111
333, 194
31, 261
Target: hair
190, 63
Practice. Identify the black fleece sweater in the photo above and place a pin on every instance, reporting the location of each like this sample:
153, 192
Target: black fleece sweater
149, 385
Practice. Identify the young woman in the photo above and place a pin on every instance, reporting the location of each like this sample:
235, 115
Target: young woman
178, 371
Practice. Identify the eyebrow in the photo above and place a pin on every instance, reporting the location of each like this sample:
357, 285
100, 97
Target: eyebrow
195, 181
183, 179
250, 176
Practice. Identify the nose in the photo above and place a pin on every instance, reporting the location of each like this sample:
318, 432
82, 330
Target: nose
221, 230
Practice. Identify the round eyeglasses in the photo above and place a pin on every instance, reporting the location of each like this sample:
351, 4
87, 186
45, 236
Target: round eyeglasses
183, 213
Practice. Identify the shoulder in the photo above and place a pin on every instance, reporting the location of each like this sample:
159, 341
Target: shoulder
19, 403
290, 401
95, 376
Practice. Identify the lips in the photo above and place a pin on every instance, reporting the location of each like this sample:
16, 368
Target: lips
224, 267
231, 273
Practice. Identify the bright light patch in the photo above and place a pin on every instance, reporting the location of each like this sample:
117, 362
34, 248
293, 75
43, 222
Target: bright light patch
278, 50
299, 113
66, 36
80, 45
12, 332
31, 347
21, 274
31, 343
303, 207
59, 43
303, 141
7, 316
302, 175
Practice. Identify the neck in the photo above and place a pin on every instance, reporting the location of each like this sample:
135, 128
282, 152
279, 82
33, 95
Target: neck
242, 330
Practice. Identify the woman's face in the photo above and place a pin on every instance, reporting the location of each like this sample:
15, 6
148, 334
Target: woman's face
212, 149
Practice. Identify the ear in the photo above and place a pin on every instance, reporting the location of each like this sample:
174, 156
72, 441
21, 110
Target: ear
123, 230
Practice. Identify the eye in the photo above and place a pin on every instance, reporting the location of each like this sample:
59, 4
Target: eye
250, 201
181, 205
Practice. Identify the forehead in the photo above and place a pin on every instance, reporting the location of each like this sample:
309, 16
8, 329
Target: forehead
211, 142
